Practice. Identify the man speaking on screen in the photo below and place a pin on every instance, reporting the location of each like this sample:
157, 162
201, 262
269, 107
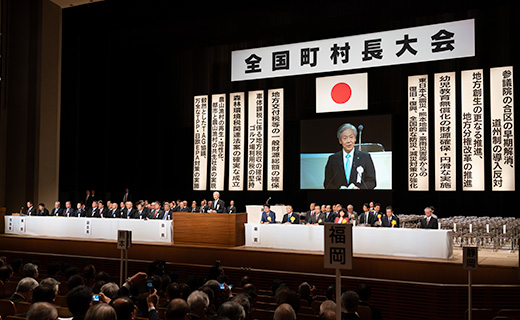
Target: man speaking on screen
349, 168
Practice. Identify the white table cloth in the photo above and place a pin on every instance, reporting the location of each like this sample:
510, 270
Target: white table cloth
422, 243
98, 228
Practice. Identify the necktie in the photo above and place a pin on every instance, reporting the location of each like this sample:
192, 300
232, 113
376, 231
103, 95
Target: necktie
347, 168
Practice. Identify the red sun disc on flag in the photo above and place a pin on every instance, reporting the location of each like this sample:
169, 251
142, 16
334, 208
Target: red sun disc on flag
341, 92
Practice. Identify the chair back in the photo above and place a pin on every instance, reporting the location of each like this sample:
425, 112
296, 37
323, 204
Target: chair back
7, 308
23, 307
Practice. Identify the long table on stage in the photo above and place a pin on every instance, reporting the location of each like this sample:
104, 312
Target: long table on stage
216, 229
89, 228
365, 240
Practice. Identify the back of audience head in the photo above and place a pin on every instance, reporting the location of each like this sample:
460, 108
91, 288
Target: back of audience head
244, 301
75, 281
6, 273
79, 300
364, 292
286, 295
327, 310
42, 311
232, 310
177, 309
101, 311
331, 292
26, 286
43, 293
198, 302
109, 289
284, 312
246, 280
350, 301
124, 308
30, 270
51, 282
304, 290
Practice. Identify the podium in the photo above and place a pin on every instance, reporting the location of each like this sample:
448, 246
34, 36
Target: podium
215, 229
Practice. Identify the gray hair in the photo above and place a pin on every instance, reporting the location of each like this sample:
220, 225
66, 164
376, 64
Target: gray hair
284, 312
198, 301
327, 305
101, 311
30, 270
344, 127
51, 282
26, 284
42, 310
109, 289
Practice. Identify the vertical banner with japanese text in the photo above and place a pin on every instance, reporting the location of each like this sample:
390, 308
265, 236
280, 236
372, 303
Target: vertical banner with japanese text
418, 156
218, 142
472, 124
236, 134
502, 129
445, 134
255, 141
200, 142
275, 134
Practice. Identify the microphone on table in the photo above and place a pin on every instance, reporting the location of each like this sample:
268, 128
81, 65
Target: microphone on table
21, 210
360, 129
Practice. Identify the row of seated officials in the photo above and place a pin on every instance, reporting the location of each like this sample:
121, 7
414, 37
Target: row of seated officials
159, 295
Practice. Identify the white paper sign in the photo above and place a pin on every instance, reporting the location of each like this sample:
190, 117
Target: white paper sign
418, 154
445, 134
419, 44
502, 130
338, 246
472, 124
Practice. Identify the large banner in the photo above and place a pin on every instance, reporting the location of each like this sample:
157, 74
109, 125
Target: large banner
445, 134
200, 142
502, 129
275, 134
472, 120
236, 134
218, 141
255, 141
426, 43
418, 156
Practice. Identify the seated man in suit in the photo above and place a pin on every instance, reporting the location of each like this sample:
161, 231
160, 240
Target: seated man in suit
231, 208
388, 219
330, 216
57, 211
31, 211
156, 212
42, 211
351, 213
203, 206
114, 211
24, 290
349, 168
429, 222
320, 216
69, 211
129, 212
290, 217
167, 213
94, 211
268, 216
141, 212
183, 207
80, 210
367, 217
194, 207
310, 216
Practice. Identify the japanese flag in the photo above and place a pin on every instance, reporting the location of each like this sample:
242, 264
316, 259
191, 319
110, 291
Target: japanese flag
342, 93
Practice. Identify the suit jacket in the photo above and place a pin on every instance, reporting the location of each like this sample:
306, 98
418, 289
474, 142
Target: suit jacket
231, 209
335, 171
80, 213
88, 201
15, 298
135, 214
196, 209
332, 216
434, 224
265, 217
203, 209
105, 212
157, 214
321, 218
166, 215
72, 212
93, 213
286, 218
56, 212
371, 218
218, 205
387, 222
311, 218
184, 209
31, 211
43, 212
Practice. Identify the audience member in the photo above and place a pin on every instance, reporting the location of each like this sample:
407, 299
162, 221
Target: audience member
198, 302
350, 303
101, 311
43, 293
177, 309
42, 311
31, 270
232, 310
284, 312
24, 290
364, 292
79, 300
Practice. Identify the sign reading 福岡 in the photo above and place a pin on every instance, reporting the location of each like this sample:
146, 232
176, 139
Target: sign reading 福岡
445, 135
472, 120
236, 136
275, 133
218, 141
419, 44
418, 156
255, 141
502, 130
200, 142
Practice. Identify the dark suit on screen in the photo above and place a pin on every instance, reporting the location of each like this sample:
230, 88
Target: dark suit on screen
433, 224
335, 171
